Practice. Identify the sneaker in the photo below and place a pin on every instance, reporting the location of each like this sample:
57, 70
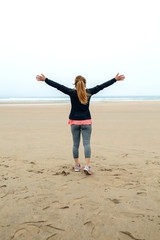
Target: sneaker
87, 170
77, 168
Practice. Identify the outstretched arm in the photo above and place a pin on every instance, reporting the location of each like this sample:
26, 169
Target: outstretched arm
60, 87
100, 87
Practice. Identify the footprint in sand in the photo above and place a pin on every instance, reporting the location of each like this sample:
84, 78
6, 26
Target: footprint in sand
64, 173
14, 177
64, 170
64, 207
152, 162
124, 155
3, 186
142, 193
116, 201
34, 171
4, 165
4, 178
106, 169
89, 224
36, 228
50, 205
150, 218
78, 200
100, 157
130, 235
122, 169
32, 162
20, 233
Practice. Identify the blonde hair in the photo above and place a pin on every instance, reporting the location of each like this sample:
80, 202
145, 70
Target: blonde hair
80, 84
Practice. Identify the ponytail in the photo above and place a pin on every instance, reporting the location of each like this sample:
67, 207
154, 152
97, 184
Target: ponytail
80, 83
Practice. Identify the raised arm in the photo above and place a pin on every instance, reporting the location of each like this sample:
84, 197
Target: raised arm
100, 87
60, 87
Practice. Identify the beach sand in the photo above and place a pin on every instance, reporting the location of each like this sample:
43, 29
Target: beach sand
42, 198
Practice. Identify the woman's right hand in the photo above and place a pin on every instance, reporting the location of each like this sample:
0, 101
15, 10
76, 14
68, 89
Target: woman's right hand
40, 78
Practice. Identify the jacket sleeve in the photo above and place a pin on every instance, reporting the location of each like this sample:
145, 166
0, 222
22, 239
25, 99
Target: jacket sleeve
60, 87
100, 87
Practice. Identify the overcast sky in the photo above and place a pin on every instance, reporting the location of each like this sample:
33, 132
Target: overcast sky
93, 38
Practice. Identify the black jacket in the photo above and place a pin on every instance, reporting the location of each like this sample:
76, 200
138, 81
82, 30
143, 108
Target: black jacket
79, 111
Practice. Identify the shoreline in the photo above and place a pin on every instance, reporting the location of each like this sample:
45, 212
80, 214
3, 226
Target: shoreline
31, 103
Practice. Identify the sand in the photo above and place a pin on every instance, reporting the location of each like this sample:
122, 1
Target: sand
42, 198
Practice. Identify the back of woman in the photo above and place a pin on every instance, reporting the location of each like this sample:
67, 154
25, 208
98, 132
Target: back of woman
80, 118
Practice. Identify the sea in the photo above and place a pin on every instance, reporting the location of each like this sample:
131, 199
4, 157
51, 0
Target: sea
66, 99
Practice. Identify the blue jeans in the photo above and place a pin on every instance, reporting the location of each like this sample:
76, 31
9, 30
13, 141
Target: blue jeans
86, 134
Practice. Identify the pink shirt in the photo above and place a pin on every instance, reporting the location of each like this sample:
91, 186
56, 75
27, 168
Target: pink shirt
80, 122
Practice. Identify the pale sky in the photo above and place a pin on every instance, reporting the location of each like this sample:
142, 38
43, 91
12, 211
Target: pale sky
93, 38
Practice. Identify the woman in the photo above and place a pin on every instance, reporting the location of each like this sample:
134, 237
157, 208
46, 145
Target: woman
80, 118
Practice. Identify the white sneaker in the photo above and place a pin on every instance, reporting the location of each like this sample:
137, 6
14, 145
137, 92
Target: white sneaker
87, 170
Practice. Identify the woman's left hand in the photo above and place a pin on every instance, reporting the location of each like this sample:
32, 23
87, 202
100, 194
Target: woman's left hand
119, 77
40, 78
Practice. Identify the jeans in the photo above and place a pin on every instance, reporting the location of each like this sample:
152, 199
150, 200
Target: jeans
86, 134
